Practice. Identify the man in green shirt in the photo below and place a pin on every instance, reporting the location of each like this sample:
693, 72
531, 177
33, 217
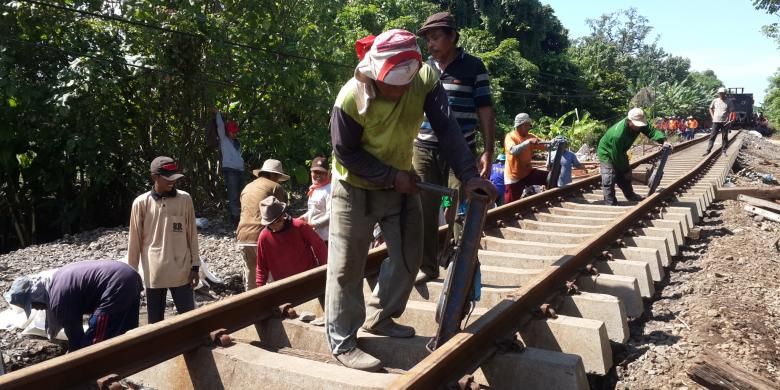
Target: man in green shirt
612, 152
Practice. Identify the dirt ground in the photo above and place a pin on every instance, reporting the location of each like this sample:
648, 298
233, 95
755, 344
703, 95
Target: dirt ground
720, 296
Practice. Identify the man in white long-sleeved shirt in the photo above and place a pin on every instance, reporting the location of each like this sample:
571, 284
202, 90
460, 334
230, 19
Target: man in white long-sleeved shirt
232, 164
318, 214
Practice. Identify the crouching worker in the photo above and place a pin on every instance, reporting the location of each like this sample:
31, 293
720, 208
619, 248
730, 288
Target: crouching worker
286, 246
373, 126
613, 154
108, 290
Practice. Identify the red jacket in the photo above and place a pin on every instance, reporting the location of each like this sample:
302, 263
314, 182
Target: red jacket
294, 249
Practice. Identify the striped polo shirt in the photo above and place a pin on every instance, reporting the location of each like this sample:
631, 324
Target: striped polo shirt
468, 87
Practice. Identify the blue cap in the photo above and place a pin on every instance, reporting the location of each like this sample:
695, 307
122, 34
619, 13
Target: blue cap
20, 294
501, 157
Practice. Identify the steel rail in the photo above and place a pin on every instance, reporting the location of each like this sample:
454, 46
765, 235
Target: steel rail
467, 350
153, 344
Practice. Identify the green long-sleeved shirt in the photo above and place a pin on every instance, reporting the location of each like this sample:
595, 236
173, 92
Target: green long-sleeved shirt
615, 143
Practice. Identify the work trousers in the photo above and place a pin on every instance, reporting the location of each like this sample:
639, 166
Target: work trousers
103, 325
514, 191
354, 211
430, 165
183, 299
611, 176
234, 181
250, 267
718, 127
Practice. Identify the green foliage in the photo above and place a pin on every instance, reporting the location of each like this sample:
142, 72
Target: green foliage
579, 131
87, 101
771, 7
771, 107
683, 98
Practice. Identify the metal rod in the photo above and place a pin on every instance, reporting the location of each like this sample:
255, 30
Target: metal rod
437, 188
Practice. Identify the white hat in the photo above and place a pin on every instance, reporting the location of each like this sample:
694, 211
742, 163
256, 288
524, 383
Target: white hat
272, 166
522, 118
637, 116
722, 90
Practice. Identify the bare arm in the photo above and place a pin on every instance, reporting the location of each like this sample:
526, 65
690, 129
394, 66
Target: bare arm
487, 124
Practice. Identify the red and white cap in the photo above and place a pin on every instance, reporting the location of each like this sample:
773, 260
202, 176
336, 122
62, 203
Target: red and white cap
392, 57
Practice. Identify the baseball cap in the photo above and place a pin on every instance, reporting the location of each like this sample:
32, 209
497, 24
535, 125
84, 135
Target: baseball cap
637, 116
437, 20
722, 90
165, 167
319, 164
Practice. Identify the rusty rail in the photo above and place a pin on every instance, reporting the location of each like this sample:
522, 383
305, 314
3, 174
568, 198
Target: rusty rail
467, 350
152, 344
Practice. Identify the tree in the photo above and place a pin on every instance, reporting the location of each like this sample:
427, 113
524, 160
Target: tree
771, 106
771, 7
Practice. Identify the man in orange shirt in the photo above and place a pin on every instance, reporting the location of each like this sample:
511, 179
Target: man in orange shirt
519, 146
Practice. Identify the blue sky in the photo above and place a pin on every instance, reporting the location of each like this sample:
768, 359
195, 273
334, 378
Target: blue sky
722, 35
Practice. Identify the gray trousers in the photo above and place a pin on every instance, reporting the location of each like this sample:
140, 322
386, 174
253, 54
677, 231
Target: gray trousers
354, 211
609, 177
718, 128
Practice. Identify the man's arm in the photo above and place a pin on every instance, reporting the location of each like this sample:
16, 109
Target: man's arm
487, 117
192, 242
280, 193
487, 124
452, 145
220, 126
135, 236
192, 233
324, 217
262, 266
712, 110
345, 135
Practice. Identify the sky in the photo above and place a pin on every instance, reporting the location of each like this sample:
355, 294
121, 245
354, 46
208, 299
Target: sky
721, 35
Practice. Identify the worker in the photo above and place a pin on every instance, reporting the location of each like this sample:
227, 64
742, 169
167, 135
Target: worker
719, 112
269, 182
613, 157
318, 212
373, 125
286, 246
163, 240
568, 161
519, 146
497, 177
109, 291
692, 125
466, 82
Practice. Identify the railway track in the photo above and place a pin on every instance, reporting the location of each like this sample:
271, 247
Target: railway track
562, 250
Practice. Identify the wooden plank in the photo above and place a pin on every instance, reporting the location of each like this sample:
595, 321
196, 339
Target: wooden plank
733, 192
764, 213
764, 204
713, 372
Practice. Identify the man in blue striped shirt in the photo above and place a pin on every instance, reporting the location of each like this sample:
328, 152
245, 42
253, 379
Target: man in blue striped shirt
465, 79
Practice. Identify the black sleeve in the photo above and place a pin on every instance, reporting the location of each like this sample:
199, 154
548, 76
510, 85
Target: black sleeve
345, 135
452, 145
